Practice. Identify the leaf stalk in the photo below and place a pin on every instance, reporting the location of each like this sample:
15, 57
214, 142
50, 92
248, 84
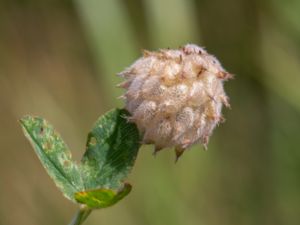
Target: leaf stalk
81, 215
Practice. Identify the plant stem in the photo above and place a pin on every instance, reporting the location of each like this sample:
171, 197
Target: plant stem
81, 215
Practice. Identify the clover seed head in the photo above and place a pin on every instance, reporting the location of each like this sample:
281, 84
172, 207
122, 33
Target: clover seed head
175, 97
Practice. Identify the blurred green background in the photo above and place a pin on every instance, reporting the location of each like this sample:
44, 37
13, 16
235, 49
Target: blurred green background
58, 59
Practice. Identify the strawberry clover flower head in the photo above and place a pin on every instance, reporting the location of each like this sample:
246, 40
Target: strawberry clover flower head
175, 97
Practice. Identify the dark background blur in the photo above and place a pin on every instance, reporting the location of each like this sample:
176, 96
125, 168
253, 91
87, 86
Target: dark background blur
58, 59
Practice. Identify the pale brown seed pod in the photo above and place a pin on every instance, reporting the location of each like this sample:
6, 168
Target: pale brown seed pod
175, 97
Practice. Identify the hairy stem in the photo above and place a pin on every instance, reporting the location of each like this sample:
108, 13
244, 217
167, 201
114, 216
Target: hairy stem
81, 215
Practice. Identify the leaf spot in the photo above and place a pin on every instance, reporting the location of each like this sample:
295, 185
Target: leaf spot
47, 146
67, 163
93, 141
41, 130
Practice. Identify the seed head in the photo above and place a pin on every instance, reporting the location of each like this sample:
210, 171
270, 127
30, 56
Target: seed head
175, 97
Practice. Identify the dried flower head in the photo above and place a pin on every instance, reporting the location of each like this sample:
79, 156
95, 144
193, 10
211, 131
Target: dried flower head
175, 97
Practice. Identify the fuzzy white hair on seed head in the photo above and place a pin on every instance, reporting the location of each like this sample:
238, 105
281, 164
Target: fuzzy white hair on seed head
175, 97
192, 48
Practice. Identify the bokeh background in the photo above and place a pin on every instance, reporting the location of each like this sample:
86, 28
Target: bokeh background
58, 59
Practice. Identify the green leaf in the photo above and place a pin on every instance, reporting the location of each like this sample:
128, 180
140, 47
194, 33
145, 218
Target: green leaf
97, 182
54, 155
112, 147
102, 198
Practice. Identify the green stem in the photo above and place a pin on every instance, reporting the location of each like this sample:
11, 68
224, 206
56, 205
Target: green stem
81, 215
